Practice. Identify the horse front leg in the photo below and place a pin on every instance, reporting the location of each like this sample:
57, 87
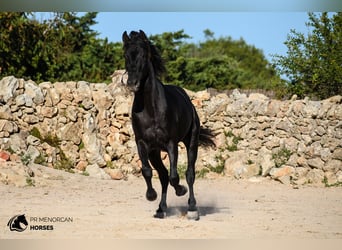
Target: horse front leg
151, 194
157, 163
174, 177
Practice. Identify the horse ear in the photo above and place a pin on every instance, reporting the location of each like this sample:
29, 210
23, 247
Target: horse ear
143, 35
125, 37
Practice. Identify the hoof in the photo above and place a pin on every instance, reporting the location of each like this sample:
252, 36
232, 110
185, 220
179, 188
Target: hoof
193, 215
160, 215
181, 190
151, 195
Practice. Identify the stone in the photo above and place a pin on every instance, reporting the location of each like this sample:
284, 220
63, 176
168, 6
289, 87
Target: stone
101, 96
4, 156
95, 171
238, 167
333, 166
31, 119
70, 132
24, 100
8, 87
94, 126
337, 154
339, 176
278, 173
71, 113
52, 97
5, 112
122, 106
316, 163
81, 165
82, 91
315, 176
87, 104
49, 112
33, 91
330, 178
32, 140
91, 143
14, 174
17, 142
115, 174
265, 161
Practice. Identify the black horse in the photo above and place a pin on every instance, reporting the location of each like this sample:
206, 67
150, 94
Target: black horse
162, 116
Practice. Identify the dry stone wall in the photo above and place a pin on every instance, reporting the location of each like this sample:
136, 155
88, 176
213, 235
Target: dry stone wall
85, 127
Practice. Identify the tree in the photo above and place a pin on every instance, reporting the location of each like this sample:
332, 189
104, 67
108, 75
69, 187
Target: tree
313, 63
221, 63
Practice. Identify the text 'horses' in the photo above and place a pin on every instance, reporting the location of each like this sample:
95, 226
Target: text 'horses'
162, 116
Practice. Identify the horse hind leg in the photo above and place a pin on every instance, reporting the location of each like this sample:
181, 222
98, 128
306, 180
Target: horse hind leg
174, 177
157, 163
192, 149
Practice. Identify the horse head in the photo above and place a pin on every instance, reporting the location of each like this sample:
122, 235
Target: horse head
142, 59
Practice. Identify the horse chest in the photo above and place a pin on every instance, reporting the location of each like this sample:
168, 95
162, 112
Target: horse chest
151, 131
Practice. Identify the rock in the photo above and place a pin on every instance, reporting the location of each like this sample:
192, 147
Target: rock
330, 179
82, 91
8, 86
52, 97
337, 154
93, 124
265, 161
120, 76
122, 106
71, 132
4, 156
81, 165
333, 166
33, 91
339, 176
31, 119
279, 173
24, 100
91, 143
315, 176
32, 140
5, 112
115, 174
49, 112
15, 174
71, 113
32, 153
95, 171
316, 163
17, 142
237, 165
101, 96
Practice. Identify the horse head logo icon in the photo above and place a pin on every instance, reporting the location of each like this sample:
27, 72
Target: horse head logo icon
18, 223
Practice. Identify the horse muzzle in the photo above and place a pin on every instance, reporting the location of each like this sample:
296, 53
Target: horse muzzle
133, 85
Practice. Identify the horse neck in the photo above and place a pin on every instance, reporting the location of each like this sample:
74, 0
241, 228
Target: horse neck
153, 94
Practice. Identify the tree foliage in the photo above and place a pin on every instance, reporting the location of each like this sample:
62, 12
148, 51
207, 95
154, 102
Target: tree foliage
65, 47
58, 49
217, 63
314, 62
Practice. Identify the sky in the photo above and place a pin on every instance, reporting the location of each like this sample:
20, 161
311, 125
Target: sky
265, 30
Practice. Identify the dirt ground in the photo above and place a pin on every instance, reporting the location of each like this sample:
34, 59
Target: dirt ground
229, 209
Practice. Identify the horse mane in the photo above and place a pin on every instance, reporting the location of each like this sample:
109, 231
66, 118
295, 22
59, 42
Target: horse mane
155, 57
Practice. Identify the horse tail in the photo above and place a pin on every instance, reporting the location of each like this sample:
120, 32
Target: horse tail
206, 137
